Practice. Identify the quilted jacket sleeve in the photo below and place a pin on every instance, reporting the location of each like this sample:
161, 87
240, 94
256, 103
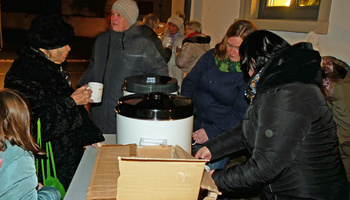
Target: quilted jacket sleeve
282, 125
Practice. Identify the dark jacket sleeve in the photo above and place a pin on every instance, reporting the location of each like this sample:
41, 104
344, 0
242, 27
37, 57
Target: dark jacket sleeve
280, 131
228, 142
164, 52
233, 116
190, 83
153, 62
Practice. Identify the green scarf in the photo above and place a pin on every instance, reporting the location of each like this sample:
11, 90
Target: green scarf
226, 65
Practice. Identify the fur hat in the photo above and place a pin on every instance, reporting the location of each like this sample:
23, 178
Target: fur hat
177, 20
49, 32
128, 8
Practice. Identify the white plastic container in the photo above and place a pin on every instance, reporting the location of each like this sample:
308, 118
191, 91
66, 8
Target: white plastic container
155, 119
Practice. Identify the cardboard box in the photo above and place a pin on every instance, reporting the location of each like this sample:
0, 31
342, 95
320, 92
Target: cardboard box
148, 172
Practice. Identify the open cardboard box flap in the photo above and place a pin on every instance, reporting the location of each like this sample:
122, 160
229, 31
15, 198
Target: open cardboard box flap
148, 172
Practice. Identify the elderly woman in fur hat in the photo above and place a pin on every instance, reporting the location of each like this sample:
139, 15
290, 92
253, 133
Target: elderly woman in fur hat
39, 74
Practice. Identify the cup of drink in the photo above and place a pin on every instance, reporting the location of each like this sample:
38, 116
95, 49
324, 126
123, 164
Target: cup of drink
167, 42
97, 89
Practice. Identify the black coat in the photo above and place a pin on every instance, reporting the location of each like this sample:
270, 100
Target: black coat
290, 133
65, 124
151, 35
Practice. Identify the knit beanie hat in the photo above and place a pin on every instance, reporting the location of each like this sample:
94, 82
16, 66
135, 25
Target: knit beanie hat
129, 10
49, 32
177, 20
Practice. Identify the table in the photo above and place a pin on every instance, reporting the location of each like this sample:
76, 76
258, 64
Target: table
81, 179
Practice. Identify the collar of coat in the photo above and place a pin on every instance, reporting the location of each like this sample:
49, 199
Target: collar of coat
28, 54
297, 63
198, 38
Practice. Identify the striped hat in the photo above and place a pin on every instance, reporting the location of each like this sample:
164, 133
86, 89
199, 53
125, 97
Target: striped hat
128, 8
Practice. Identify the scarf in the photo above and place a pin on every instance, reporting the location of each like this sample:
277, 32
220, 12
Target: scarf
191, 34
251, 91
226, 65
174, 37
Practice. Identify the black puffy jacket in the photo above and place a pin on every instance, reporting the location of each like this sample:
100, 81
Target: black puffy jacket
290, 133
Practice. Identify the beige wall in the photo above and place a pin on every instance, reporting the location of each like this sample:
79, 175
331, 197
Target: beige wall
177, 5
217, 17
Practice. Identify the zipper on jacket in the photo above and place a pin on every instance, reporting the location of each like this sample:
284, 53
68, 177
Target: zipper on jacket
123, 41
274, 196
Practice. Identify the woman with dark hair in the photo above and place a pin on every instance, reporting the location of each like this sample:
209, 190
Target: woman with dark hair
216, 87
288, 128
39, 74
17, 151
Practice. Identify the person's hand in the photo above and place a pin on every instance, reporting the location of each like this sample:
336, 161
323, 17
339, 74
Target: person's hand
1, 161
178, 49
39, 186
200, 136
95, 145
211, 172
203, 153
82, 95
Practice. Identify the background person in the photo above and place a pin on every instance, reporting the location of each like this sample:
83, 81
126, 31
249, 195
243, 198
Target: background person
39, 75
149, 24
17, 151
175, 31
288, 127
194, 46
216, 86
336, 82
118, 53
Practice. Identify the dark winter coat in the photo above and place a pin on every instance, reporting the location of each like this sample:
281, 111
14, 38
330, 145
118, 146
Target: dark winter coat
65, 124
218, 97
129, 53
151, 35
290, 133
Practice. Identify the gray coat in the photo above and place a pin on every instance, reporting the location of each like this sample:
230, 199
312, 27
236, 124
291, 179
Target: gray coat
128, 53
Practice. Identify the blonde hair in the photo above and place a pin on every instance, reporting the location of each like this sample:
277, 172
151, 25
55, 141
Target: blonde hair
241, 28
15, 122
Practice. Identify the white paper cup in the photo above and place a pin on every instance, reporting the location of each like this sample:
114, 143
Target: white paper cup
97, 89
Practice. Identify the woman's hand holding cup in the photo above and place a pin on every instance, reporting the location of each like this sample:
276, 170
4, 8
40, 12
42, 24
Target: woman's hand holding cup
82, 95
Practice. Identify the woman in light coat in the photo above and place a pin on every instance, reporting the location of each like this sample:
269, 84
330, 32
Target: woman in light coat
174, 33
193, 47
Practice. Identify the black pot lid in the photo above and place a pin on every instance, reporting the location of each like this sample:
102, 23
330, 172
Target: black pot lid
155, 105
150, 83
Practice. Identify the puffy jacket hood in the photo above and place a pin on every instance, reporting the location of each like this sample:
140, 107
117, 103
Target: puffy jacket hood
297, 63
